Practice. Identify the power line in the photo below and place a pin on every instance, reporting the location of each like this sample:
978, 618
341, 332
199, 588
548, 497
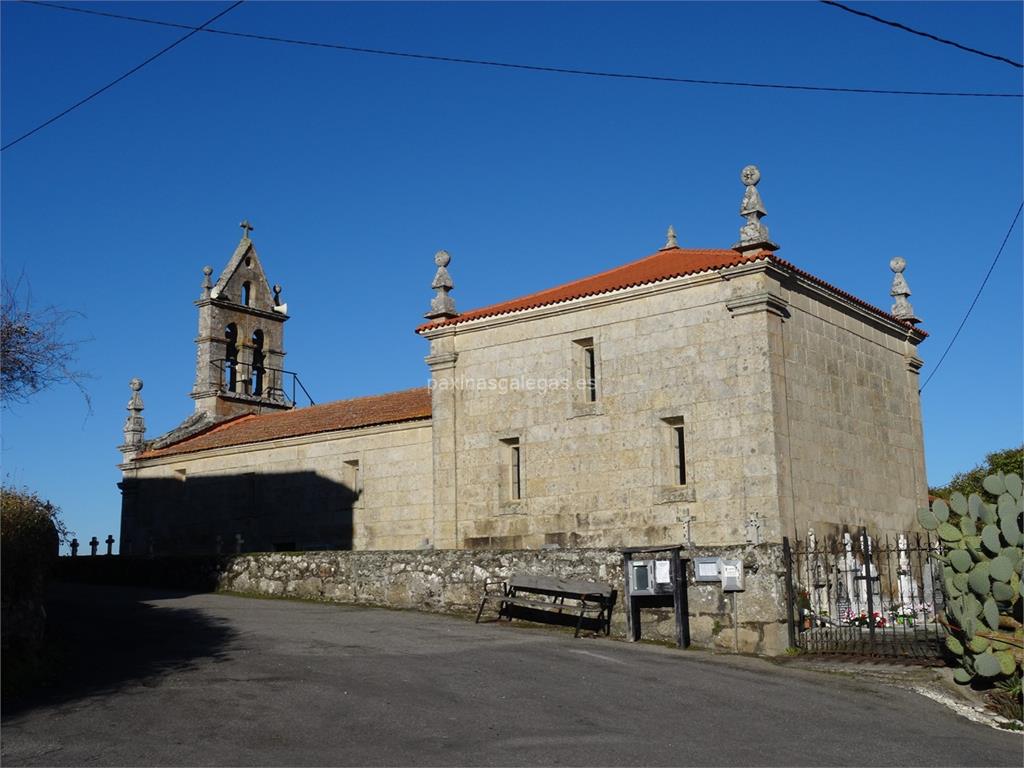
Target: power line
928, 35
976, 296
528, 67
130, 72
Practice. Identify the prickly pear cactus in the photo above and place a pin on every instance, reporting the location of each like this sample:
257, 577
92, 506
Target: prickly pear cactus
982, 570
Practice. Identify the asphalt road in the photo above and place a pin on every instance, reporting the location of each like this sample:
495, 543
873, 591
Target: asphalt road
171, 679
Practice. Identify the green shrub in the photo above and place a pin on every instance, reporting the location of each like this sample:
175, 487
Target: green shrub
30, 531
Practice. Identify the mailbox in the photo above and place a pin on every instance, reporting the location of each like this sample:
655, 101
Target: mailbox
707, 568
654, 583
732, 575
650, 577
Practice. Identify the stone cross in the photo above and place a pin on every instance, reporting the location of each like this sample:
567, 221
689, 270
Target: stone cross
754, 526
687, 520
239, 541
110, 543
443, 305
753, 234
246, 229
670, 239
94, 544
900, 291
74, 547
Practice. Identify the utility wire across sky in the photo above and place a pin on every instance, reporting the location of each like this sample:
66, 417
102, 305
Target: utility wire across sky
503, 64
927, 35
127, 74
976, 297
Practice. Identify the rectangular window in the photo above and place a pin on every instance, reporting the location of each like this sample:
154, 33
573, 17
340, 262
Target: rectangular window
516, 466
672, 464
585, 371
679, 454
590, 372
512, 469
353, 476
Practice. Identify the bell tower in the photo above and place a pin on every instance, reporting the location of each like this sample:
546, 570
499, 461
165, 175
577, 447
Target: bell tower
240, 346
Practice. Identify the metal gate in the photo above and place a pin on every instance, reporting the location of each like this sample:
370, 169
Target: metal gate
853, 594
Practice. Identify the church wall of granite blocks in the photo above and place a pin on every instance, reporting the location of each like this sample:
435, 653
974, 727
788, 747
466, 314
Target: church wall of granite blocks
365, 489
794, 411
594, 473
851, 420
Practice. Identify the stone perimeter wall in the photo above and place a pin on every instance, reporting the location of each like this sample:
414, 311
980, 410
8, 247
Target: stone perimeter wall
452, 581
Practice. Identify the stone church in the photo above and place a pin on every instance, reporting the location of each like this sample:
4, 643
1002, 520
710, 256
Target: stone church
699, 396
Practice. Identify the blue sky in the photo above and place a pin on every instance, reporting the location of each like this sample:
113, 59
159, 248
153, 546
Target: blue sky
356, 168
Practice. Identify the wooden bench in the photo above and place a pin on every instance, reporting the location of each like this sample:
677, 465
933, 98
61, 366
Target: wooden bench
545, 593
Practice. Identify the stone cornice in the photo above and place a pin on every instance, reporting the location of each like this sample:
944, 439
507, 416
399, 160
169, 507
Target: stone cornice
763, 301
230, 305
442, 361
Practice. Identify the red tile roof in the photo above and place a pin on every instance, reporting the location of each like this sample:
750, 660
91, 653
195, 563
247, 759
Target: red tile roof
666, 264
408, 405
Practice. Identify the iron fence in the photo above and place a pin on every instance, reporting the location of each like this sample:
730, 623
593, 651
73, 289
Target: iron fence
850, 593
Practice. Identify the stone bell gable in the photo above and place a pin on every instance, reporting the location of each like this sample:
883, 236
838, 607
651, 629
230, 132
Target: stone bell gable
240, 346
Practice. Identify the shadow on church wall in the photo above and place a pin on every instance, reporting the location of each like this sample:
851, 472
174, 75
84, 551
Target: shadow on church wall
207, 514
103, 639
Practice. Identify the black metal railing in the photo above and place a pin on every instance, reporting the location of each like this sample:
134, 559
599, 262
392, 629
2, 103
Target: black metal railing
236, 377
850, 593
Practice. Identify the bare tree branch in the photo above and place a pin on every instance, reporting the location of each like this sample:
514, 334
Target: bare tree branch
35, 352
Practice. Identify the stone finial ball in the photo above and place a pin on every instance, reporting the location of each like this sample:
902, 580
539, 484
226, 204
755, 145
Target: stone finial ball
135, 384
442, 258
750, 175
898, 264
207, 271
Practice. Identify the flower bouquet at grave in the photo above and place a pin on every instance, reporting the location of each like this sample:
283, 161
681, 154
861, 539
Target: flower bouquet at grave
907, 613
862, 619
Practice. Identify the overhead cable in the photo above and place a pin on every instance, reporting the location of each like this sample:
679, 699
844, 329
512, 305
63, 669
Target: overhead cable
976, 297
531, 67
129, 73
918, 32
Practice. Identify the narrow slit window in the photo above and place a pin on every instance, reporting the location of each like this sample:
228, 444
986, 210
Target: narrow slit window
584, 366
246, 293
517, 489
354, 477
590, 372
513, 467
679, 454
